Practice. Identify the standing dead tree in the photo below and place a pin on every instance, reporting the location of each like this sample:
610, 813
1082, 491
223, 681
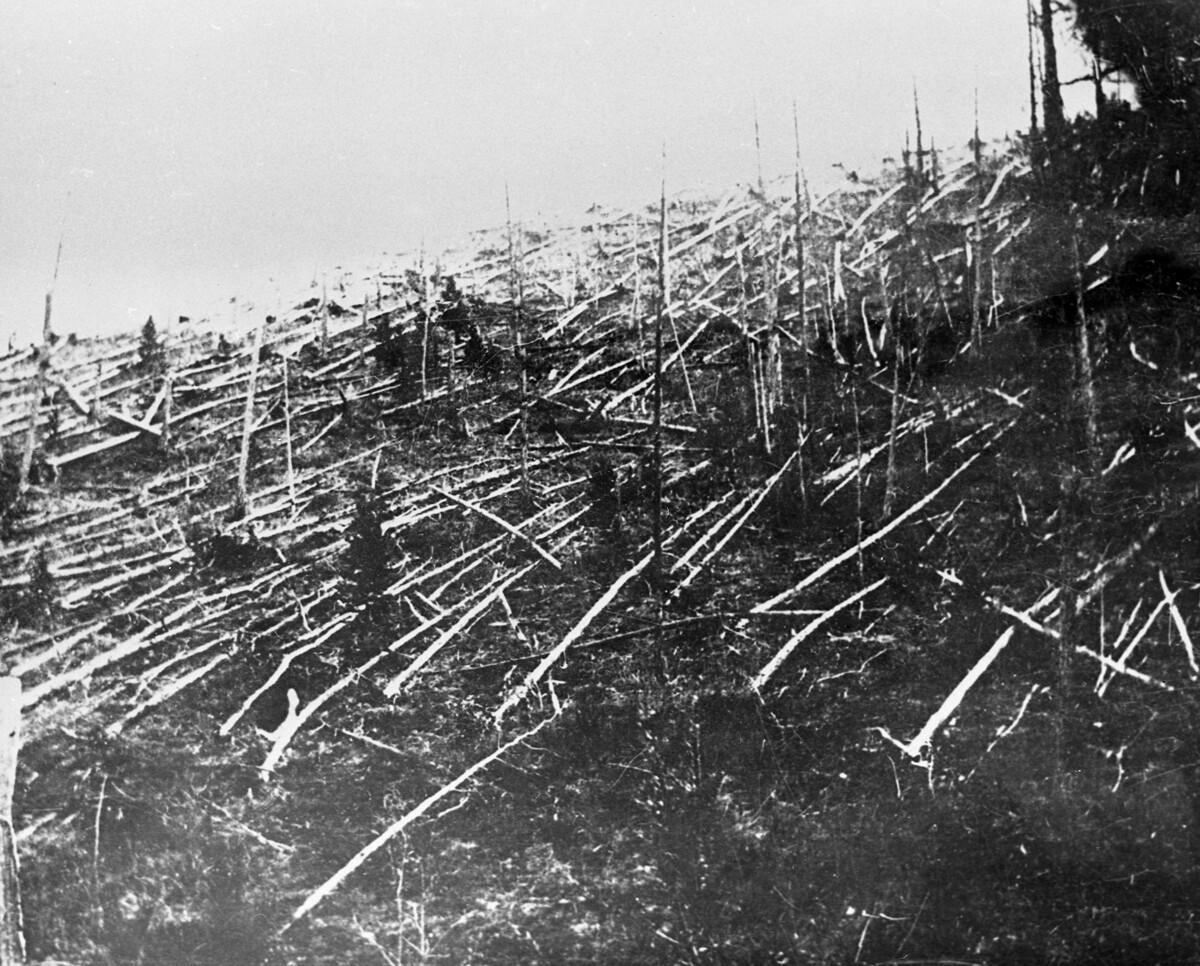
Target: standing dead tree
39, 383
664, 295
243, 498
517, 293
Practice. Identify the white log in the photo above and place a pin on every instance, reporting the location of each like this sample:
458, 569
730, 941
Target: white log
879, 534
123, 650
1170, 595
503, 524
712, 531
1118, 667
914, 748
165, 694
283, 735
762, 495
518, 693
805, 632
473, 613
342, 874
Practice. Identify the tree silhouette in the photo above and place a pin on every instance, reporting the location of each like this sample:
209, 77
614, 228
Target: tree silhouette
1155, 44
1052, 101
152, 355
369, 558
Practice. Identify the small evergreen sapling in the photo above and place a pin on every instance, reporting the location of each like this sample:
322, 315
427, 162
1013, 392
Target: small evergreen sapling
152, 355
369, 559
41, 596
36, 603
605, 492
10, 484
391, 347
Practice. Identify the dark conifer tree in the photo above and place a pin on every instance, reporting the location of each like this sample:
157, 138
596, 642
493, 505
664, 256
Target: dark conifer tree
41, 596
369, 559
152, 356
10, 486
35, 604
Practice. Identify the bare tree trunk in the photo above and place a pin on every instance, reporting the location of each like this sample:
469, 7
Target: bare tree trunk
1052, 101
838, 302
164, 441
664, 291
243, 495
12, 938
287, 428
889, 496
1033, 115
427, 312
920, 144
1083, 355
39, 389
801, 300
768, 357
451, 384
977, 242
802, 322
636, 308
324, 311
516, 281
39, 380
858, 482
1064, 668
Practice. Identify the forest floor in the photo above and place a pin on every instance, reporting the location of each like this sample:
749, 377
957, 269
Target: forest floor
913, 678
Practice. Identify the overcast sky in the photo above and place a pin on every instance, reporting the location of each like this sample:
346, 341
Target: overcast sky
188, 150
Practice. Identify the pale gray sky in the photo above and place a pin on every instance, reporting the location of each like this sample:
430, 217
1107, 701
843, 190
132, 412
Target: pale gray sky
189, 150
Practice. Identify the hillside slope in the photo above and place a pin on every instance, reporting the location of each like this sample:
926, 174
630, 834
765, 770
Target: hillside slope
423, 691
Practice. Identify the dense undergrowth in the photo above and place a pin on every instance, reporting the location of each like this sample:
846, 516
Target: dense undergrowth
670, 812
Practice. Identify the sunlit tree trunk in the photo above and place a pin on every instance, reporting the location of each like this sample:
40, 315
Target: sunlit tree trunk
12, 940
